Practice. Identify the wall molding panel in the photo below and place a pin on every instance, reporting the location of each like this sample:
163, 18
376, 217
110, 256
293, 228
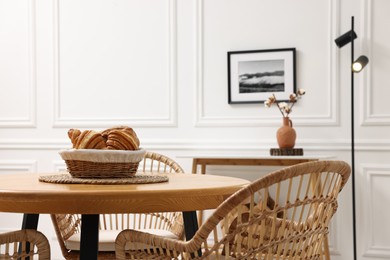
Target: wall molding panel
369, 118
28, 121
334, 236
375, 244
9, 166
59, 166
330, 118
169, 120
33, 144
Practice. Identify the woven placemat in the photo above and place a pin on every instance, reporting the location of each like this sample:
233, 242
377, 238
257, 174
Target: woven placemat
136, 179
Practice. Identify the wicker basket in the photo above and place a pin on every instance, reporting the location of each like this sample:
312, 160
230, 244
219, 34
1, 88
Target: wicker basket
93, 163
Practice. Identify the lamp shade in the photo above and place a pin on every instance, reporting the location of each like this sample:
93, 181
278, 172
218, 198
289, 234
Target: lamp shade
345, 38
359, 63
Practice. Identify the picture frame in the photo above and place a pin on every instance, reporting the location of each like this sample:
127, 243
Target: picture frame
254, 75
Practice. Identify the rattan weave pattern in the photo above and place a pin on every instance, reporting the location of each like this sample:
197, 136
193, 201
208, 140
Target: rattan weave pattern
95, 163
86, 169
13, 245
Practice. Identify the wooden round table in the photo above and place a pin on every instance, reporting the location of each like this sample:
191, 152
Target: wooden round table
24, 193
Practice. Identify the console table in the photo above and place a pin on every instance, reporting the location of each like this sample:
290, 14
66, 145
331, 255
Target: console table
248, 160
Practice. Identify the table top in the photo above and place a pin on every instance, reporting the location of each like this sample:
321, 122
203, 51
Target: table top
24, 193
255, 156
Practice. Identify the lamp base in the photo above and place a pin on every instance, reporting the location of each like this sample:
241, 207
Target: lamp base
286, 151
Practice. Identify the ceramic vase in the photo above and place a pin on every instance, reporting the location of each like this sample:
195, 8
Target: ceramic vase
286, 134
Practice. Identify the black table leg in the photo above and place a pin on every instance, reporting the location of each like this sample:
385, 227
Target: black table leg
191, 226
89, 237
30, 221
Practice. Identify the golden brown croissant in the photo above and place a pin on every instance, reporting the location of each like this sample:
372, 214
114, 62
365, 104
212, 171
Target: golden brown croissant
74, 135
127, 129
122, 140
116, 138
87, 139
90, 139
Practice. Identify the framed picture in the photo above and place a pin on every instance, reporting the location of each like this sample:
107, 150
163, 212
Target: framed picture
255, 75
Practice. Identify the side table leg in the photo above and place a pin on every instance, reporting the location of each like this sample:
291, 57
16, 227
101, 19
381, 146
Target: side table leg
203, 169
200, 212
89, 237
194, 166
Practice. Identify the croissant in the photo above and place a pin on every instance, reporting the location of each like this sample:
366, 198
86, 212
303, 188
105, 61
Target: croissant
121, 138
126, 129
74, 135
124, 139
87, 139
116, 138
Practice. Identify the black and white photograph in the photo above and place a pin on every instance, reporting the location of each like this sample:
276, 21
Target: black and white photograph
255, 75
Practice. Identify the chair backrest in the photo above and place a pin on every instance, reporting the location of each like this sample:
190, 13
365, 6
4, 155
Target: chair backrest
159, 163
305, 197
152, 162
24, 244
66, 225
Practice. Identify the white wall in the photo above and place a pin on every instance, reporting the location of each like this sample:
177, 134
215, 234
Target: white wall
161, 67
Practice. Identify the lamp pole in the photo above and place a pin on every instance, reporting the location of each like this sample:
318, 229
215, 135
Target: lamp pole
353, 142
356, 66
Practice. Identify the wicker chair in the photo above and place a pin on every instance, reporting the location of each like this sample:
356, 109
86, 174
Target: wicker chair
10, 243
305, 200
168, 224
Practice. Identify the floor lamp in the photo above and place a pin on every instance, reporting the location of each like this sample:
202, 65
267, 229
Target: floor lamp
356, 66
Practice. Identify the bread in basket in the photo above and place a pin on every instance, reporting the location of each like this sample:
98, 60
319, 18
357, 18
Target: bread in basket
95, 163
112, 153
